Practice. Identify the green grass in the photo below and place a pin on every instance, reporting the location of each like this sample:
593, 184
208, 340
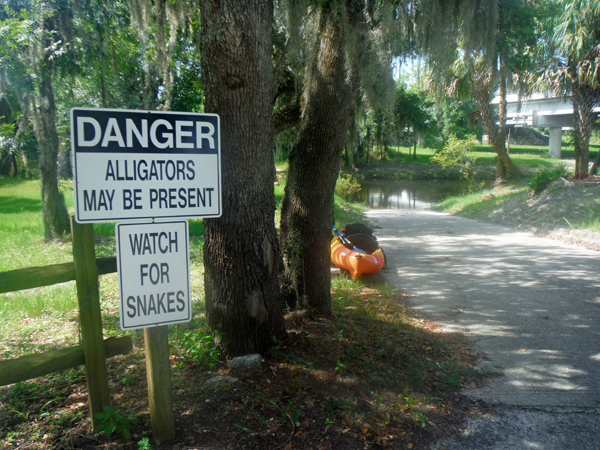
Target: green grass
591, 223
347, 212
473, 204
524, 156
22, 228
397, 155
50, 314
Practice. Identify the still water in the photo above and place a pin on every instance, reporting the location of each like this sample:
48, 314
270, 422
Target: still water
408, 194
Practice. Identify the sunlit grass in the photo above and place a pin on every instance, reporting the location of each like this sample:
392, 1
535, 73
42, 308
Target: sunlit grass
592, 224
590, 213
478, 202
402, 155
524, 156
22, 228
347, 212
22, 245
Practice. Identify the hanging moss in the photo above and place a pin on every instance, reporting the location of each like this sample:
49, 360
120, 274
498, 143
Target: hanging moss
159, 24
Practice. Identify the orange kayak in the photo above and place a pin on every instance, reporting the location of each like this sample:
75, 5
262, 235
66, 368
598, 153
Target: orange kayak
355, 262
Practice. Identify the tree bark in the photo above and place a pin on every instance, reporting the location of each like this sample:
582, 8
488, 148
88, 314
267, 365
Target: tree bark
56, 218
585, 99
243, 298
314, 162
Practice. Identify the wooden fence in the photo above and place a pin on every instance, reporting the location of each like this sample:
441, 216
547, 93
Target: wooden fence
94, 350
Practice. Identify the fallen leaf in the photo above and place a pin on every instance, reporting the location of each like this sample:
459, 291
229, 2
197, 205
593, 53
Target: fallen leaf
365, 396
409, 445
346, 430
288, 447
364, 430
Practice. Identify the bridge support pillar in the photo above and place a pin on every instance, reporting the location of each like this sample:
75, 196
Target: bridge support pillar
555, 144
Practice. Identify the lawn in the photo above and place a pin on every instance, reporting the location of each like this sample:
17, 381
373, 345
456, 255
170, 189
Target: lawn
524, 156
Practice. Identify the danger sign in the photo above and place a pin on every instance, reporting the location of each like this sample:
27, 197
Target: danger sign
154, 275
145, 164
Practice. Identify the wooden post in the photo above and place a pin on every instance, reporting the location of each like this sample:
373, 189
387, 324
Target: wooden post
158, 371
86, 273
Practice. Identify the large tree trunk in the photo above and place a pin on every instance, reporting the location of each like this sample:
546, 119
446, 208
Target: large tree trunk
56, 218
243, 298
314, 163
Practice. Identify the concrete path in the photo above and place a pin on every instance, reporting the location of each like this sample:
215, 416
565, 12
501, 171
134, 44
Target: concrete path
531, 304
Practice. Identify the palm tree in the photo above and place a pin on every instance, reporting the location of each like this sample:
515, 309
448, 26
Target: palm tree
478, 74
472, 77
570, 65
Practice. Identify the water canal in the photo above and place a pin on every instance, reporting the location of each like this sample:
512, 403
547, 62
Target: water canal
407, 194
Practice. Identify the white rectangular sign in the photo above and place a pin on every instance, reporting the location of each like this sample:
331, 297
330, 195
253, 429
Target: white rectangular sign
154, 274
145, 164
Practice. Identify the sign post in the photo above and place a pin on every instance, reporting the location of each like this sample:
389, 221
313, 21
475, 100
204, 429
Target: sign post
158, 374
142, 166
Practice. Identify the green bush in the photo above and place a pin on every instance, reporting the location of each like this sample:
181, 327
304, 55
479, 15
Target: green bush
544, 175
113, 420
459, 153
346, 186
197, 347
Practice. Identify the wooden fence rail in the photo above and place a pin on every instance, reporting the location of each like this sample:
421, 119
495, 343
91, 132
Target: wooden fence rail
84, 270
33, 277
39, 364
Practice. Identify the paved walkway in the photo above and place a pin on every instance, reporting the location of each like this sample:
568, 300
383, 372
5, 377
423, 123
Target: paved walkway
531, 304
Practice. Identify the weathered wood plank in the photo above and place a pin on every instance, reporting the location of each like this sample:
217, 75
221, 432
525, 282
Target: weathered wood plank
158, 372
32, 366
90, 317
33, 277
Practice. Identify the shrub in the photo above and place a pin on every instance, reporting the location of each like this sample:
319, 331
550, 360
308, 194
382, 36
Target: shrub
459, 153
346, 186
544, 175
197, 347
113, 420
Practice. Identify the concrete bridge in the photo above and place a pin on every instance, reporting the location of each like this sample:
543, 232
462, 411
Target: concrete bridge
542, 111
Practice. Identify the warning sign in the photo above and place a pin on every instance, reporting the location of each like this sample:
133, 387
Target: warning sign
145, 164
154, 275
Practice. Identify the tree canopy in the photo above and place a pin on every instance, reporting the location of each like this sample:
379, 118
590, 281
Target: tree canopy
569, 64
